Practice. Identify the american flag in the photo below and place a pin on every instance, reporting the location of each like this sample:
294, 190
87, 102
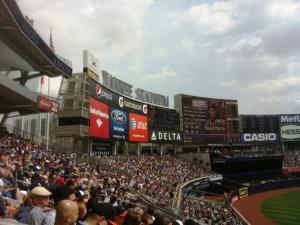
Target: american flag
51, 42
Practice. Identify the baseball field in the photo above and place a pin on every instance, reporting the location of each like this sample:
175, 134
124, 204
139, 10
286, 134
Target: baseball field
280, 207
283, 209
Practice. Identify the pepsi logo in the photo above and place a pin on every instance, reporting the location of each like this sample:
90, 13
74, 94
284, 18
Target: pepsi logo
98, 89
133, 123
118, 116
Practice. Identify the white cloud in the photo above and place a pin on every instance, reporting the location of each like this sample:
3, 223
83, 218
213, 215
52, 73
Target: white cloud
215, 18
247, 50
165, 72
282, 8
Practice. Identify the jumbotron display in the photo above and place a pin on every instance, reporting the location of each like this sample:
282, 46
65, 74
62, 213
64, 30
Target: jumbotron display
206, 120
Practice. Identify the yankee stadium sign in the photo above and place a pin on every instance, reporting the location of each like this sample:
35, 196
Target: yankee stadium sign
165, 136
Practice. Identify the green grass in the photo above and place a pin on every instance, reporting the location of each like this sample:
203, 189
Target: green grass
283, 209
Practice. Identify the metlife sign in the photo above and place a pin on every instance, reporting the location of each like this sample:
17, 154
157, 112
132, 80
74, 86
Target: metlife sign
156, 136
292, 118
259, 137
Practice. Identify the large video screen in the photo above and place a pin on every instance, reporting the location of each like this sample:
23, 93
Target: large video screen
163, 119
99, 119
209, 116
138, 128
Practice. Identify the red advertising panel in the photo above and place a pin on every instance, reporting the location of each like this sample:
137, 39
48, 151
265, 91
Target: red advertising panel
138, 128
47, 104
99, 119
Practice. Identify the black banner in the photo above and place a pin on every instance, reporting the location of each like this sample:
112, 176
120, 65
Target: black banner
114, 99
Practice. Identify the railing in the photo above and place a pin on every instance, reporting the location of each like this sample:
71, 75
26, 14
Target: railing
37, 139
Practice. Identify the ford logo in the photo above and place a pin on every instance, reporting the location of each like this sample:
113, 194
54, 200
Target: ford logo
118, 116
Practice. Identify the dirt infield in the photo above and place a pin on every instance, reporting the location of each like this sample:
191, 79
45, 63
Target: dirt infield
250, 207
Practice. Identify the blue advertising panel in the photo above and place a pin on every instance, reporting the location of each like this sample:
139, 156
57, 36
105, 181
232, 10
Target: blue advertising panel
118, 124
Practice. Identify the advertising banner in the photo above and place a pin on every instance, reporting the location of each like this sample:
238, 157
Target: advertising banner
91, 66
103, 94
118, 124
132, 105
138, 128
114, 99
99, 119
156, 136
47, 104
290, 131
101, 148
259, 137
290, 118
243, 192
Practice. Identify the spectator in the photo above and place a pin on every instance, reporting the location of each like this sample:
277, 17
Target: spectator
40, 200
66, 213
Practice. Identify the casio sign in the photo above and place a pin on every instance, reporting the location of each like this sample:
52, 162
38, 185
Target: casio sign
118, 116
259, 137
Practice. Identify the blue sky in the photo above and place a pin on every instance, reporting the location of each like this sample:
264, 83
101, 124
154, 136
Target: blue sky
246, 50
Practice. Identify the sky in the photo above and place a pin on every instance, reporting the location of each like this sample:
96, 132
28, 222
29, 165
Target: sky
247, 50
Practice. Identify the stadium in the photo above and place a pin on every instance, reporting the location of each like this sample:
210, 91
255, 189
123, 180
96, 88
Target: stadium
91, 153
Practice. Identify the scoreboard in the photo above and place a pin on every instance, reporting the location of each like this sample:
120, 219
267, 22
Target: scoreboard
259, 123
163, 119
208, 120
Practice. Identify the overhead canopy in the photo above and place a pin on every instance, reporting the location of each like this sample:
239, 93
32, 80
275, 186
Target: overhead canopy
16, 98
18, 35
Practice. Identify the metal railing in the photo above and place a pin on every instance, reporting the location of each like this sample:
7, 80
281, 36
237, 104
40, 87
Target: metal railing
35, 138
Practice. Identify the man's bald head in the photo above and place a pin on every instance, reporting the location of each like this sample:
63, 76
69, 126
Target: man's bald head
66, 212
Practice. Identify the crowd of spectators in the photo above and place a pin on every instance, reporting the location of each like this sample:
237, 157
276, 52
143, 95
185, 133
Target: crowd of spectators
211, 213
39, 186
292, 158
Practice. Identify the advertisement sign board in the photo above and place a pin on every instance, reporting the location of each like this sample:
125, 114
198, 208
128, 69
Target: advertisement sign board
259, 137
47, 104
156, 136
99, 119
114, 99
138, 128
91, 66
290, 131
118, 124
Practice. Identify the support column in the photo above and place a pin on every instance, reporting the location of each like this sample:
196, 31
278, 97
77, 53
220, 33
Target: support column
115, 148
138, 149
160, 149
125, 148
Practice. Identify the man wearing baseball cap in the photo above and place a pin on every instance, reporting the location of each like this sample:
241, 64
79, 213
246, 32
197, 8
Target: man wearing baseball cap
40, 200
